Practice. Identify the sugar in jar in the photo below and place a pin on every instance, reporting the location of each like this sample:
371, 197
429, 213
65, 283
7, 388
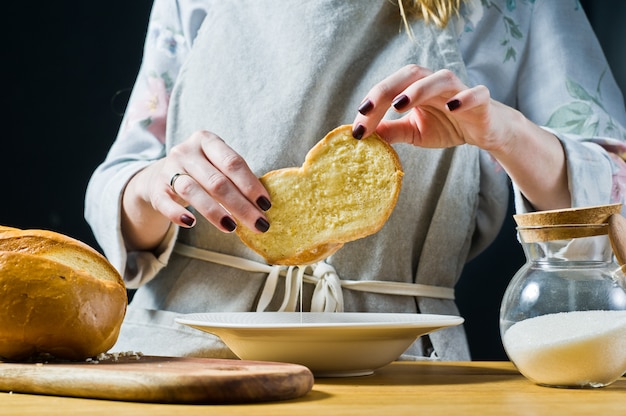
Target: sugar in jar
563, 315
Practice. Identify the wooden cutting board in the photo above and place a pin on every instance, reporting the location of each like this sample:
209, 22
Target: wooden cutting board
160, 379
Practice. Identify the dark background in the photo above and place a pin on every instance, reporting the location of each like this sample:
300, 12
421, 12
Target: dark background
68, 71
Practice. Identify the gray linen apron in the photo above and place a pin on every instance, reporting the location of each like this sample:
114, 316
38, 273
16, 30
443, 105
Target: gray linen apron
272, 80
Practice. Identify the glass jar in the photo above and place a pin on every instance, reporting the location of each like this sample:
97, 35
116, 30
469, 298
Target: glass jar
563, 315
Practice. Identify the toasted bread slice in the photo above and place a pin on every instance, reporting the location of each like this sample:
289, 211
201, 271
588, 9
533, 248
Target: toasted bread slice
345, 190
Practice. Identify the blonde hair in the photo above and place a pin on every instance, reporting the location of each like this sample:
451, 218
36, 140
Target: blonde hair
437, 11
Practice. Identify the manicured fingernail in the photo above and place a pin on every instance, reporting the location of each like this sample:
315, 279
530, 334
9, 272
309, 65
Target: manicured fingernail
264, 203
262, 225
453, 104
400, 102
358, 131
187, 220
228, 223
365, 107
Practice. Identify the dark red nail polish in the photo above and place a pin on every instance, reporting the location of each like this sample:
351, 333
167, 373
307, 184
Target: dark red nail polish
453, 104
358, 131
228, 223
263, 203
187, 220
262, 225
400, 102
365, 107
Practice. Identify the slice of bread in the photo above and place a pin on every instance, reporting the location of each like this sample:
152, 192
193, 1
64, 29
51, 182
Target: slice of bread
345, 190
60, 297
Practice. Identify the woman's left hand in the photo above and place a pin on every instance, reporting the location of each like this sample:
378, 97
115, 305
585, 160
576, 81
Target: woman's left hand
441, 111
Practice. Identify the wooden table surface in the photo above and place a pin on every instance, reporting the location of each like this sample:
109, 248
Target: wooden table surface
412, 388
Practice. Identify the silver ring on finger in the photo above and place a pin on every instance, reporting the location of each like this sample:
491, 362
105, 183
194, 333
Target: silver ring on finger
174, 179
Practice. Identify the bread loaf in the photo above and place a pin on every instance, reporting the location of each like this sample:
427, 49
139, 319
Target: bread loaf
346, 189
60, 297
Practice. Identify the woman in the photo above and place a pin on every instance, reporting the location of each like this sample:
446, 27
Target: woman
230, 90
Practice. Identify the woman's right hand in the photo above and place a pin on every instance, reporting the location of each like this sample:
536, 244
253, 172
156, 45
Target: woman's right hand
210, 176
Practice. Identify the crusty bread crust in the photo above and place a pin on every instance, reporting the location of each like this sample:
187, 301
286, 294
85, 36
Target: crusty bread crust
4, 228
61, 248
346, 189
60, 297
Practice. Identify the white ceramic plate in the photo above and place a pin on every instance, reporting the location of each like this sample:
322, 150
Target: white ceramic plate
329, 344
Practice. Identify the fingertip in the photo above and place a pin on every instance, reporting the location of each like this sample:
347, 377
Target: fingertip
358, 131
228, 224
262, 225
188, 220
400, 102
366, 106
263, 203
453, 104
